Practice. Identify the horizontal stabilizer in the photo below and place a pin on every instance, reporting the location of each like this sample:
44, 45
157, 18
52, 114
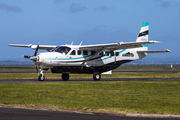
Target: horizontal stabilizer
154, 51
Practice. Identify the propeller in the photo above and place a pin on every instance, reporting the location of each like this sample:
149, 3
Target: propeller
36, 49
34, 58
35, 55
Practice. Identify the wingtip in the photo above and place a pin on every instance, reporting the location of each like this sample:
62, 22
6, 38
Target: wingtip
168, 50
154, 41
10, 44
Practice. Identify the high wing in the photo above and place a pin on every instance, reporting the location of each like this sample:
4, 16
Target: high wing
43, 47
116, 46
154, 51
113, 46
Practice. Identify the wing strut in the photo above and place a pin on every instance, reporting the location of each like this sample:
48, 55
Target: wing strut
93, 56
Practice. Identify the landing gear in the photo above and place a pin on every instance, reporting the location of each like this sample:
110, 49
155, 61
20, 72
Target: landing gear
41, 75
65, 76
96, 76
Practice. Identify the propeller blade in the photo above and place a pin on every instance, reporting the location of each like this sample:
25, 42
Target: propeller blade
26, 56
37, 68
36, 50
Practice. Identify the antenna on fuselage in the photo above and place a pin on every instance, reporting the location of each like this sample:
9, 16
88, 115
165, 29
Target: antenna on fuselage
72, 43
80, 43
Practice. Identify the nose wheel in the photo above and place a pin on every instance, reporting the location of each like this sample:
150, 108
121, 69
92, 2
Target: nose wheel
41, 76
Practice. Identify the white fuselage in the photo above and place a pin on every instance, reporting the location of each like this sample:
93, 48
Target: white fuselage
76, 57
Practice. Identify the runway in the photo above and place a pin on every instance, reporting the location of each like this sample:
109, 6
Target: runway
21, 114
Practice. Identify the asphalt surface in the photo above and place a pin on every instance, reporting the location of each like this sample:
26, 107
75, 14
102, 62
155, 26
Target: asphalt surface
26, 114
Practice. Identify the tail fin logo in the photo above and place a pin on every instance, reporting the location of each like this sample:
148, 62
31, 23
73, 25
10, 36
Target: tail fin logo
143, 33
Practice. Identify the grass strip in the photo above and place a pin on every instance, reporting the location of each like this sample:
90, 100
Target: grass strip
126, 96
18, 68
81, 76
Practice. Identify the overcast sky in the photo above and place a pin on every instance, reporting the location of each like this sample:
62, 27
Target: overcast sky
57, 22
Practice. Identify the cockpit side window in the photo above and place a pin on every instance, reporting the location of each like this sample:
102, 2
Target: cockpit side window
73, 52
61, 49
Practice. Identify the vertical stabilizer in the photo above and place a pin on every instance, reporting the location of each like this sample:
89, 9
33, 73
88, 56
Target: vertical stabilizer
143, 33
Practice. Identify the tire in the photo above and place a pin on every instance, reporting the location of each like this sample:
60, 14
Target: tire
96, 76
65, 76
41, 77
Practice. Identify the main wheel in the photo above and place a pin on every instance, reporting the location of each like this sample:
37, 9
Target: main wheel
65, 76
97, 76
41, 77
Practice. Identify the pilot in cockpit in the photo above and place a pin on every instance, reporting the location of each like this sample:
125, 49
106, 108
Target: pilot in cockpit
66, 51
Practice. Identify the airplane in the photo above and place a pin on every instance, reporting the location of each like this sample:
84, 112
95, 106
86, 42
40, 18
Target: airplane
89, 59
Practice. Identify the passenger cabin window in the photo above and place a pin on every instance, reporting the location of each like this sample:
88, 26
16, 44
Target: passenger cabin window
117, 53
112, 53
73, 52
106, 53
85, 52
101, 54
93, 52
79, 52
61, 49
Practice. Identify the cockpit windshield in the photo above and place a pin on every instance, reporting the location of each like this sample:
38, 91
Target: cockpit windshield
61, 49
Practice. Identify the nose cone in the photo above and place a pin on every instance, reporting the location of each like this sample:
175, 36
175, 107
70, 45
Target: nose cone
34, 58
